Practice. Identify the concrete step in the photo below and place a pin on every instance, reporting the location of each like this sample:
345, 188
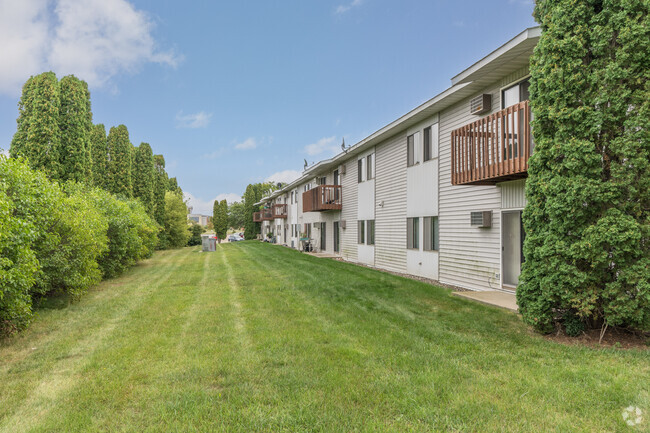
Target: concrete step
492, 297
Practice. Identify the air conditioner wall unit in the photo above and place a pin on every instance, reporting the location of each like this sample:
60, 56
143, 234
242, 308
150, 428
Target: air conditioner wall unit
481, 219
342, 223
342, 169
480, 104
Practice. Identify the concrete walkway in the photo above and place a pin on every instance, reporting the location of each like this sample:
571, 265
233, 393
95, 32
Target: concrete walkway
492, 297
324, 255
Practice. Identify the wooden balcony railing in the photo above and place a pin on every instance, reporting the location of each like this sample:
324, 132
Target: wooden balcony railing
322, 198
279, 211
493, 149
267, 214
257, 217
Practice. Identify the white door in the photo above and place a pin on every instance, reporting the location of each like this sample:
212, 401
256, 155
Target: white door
511, 246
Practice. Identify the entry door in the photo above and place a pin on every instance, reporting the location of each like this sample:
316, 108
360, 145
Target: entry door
336, 236
512, 239
323, 236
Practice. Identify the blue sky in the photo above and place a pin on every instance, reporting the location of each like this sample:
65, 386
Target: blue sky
239, 92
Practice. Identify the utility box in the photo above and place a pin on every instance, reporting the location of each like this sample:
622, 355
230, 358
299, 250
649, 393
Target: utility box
209, 243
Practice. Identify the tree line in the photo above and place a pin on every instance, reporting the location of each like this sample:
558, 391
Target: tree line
76, 204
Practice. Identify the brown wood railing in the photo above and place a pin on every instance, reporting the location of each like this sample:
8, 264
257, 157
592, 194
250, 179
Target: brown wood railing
492, 149
267, 214
257, 217
279, 211
322, 198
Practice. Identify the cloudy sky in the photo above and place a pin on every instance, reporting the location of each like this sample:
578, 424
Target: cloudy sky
239, 92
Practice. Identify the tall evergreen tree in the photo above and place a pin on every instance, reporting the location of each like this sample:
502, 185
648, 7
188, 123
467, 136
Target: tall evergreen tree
587, 221
99, 152
75, 123
160, 188
220, 218
251, 229
144, 177
119, 164
37, 137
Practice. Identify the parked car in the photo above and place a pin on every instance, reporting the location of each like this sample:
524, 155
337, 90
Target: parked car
235, 238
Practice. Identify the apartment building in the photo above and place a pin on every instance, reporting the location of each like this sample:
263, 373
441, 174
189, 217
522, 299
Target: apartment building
437, 193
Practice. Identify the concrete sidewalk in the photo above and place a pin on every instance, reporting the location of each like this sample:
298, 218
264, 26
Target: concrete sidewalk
492, 297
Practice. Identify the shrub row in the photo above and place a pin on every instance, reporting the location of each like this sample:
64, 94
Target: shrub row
61, 239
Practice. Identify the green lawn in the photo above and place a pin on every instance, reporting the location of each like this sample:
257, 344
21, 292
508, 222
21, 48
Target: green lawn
257, 337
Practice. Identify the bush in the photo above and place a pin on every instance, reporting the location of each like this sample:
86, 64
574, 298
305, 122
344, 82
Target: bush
55, 239
174, 232
195, 235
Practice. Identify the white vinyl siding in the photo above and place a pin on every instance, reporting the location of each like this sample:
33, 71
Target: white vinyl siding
469, 256
390, 218
349, 212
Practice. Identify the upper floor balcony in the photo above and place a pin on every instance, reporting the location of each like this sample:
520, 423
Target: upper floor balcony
279, 210
493, 149
322, 198
257, 217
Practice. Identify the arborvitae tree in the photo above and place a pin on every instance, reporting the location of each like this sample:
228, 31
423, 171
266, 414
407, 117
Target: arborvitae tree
587, 221
99, 152
37, 136
75, 123
119, 164
160, 188
144, 177
173, 186
236, 215
220, 218
251, 229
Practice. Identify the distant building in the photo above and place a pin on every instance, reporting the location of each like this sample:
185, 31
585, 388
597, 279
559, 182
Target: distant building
199, 219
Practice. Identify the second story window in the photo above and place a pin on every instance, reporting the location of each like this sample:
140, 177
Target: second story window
361, 170
410, 150
370, 163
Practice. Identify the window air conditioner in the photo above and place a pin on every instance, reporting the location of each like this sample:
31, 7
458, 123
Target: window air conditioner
480, 104
482, 219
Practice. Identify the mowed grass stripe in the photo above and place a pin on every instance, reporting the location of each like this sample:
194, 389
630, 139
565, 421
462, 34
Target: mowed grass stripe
33, 376
257, 338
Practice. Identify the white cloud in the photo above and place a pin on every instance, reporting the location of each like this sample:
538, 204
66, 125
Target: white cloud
285, 176
193, 121
216, 154
204, 207
324, 145
92, 39
248, 144
341, 9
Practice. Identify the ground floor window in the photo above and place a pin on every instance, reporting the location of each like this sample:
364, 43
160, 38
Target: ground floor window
430, 229
361, 233
370, 236
413, 233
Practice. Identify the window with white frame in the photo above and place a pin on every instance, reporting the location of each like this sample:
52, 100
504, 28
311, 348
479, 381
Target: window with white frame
361, 170
410, 150
370, 235
413, 233
370, 169
361, 234
431, 233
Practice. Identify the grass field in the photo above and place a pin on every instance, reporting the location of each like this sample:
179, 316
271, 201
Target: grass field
257, 337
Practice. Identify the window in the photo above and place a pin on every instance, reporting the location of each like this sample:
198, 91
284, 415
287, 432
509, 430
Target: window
336, 177
410, 150
430, 230
370, 159
322, 181
307, 231
515, 93
413, 233
361, 167
361, 238
428, 154
291, 197
370, 237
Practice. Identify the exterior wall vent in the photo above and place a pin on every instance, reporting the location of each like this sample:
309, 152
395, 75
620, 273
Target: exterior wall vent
480, 104
482, 219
